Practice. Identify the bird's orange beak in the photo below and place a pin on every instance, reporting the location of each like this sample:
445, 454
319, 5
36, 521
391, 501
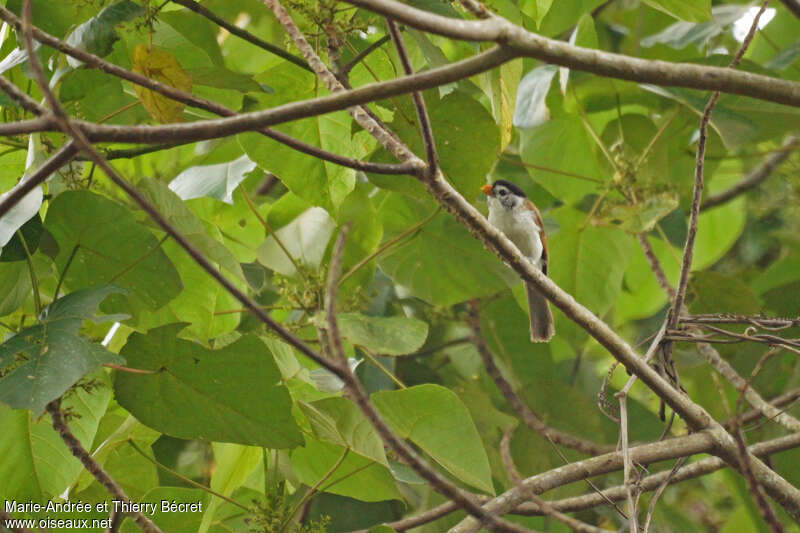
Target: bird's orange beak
487, 189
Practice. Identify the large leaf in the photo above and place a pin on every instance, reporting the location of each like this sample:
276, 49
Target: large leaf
433, 418
98, 34
554, 165
41, 362
531, 109
111, 247
15, 286
176, 212
37, 465
234, 464
227, 395
442, 263
589, 263
395, 335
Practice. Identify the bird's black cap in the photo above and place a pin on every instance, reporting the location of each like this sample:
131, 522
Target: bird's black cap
511, 187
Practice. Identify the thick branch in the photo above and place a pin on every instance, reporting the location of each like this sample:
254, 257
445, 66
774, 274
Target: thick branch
185, 98
526, 43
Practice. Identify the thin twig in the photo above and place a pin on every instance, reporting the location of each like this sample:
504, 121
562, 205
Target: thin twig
426, 130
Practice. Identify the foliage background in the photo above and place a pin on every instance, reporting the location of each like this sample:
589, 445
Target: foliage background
230, 406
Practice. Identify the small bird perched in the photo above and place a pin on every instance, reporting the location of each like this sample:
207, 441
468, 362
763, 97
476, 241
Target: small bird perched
511, 212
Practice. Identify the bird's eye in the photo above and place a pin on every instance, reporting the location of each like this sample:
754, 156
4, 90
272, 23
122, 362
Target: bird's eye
502, 192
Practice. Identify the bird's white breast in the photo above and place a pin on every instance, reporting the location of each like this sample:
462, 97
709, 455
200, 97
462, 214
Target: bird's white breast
519, 226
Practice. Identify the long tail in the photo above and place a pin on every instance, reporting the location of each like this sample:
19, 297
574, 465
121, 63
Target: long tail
542, 329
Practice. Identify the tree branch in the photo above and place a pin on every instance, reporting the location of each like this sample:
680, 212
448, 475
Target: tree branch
426, 130
459, 497
529, 44
190, 100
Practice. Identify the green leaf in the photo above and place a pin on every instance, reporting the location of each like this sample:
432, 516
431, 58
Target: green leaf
339, 421
29, 205
357, 476
433, 418
569, 134
198, 303
442, 263
41, 362
227, 395
691, 10
395, 335
37, 465
196, 29
589, 263
785, 58
467, 141
111, 247
215, 181
97, 35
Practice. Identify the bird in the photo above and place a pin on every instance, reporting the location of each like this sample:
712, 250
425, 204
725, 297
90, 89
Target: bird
511, 212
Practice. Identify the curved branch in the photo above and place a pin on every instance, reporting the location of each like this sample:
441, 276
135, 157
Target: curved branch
529, 44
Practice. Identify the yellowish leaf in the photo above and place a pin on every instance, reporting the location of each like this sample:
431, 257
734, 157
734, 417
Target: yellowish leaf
161, 66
